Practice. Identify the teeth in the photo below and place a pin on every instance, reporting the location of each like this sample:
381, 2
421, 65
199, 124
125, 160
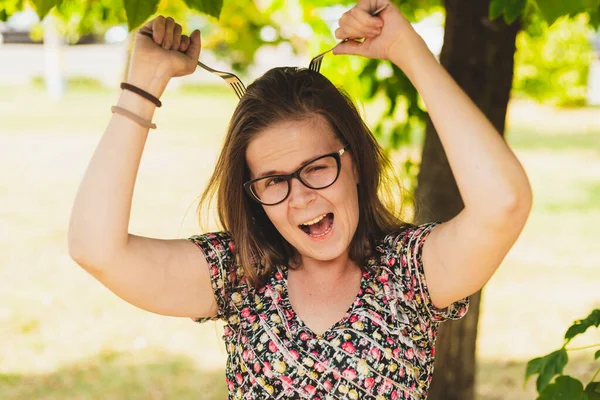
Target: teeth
314, 221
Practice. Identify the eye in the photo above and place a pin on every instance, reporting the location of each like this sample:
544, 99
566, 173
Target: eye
274, 181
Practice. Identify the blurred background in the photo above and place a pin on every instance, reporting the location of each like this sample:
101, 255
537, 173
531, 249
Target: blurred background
64, 336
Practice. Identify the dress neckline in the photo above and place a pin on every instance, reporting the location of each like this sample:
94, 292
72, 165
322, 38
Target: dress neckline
296, 318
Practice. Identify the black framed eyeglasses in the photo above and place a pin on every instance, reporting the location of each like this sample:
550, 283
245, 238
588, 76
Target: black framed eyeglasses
317, 174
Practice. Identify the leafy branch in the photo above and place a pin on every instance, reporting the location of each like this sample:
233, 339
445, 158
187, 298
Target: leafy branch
553, 364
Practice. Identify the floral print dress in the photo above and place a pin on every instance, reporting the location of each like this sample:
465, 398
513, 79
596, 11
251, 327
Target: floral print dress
383, 348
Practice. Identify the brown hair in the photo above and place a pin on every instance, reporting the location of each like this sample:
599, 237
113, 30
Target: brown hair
297, 94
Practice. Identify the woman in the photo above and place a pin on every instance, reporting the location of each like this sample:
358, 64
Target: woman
326, 294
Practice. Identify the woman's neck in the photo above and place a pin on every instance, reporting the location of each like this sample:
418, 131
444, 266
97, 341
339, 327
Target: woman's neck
329, 270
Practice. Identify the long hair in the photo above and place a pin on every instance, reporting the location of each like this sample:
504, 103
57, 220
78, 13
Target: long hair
297, 94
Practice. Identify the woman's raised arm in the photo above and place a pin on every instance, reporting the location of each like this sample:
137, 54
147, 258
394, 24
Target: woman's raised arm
162, 276
462, 254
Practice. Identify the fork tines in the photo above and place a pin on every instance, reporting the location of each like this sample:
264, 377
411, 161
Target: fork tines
315, 63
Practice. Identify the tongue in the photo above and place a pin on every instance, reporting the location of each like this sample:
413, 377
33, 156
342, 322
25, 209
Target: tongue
320, 227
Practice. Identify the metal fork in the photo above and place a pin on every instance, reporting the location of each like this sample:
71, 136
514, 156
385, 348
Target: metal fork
233, 81
315, 63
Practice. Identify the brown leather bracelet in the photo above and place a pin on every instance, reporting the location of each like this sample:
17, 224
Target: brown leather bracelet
134, 117
141, 92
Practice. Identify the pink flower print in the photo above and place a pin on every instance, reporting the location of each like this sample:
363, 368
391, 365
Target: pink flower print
391, 261
272, 347
409, 354
278, 275
245, 355
214, 271
375, 353
288, 314
387, 384
327, 385
304, 336
395, 395
239, 379
245, 312
256, 367
251, 318
369, 382
349, 347
231, 246
349, 373
230, 385
390, 340
287, 381
401, 372
295, 354
353, 319
310, 389
396, 352
319, 367
267, 370
383, 278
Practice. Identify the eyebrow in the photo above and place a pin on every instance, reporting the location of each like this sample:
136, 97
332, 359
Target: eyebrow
274, 172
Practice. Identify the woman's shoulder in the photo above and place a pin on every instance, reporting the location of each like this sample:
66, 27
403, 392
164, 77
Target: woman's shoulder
219, 251
219, 242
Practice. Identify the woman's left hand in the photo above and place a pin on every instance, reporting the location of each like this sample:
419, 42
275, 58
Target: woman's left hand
387, 34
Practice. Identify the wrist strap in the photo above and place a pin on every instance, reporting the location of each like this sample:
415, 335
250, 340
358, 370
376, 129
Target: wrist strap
143, 122
143, 93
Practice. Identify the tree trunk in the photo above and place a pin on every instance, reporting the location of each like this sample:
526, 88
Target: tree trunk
479, 54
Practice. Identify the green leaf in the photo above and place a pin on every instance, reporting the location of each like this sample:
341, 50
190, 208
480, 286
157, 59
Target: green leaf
496, 8
43, 7
564, 388
554, 9
580, 326
547, 367
534, 367
138, 11
595, 18
210, 7
593, 390
597, 355
511, 9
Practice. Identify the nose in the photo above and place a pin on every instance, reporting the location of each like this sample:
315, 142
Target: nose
300, 196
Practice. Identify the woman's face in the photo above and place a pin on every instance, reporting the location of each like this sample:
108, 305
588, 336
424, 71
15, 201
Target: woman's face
282, 149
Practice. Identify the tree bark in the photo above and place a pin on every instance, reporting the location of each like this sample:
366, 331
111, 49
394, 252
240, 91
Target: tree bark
479, 54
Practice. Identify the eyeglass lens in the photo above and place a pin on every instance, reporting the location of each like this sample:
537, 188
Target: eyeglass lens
316, 175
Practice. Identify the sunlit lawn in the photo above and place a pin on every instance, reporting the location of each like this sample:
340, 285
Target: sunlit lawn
64, 336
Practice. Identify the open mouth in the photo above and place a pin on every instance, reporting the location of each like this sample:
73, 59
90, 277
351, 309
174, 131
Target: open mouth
318, 227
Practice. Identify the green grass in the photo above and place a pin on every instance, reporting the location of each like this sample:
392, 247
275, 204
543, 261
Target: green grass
65, 336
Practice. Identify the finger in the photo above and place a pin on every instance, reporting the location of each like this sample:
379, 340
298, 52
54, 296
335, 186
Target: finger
341, 33
349, 47
157, 26
193, 50
351, 28
176, 37
185, 42
364, 18
169, 26
360, 22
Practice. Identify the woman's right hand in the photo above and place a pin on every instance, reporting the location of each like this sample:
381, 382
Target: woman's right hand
167, 54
